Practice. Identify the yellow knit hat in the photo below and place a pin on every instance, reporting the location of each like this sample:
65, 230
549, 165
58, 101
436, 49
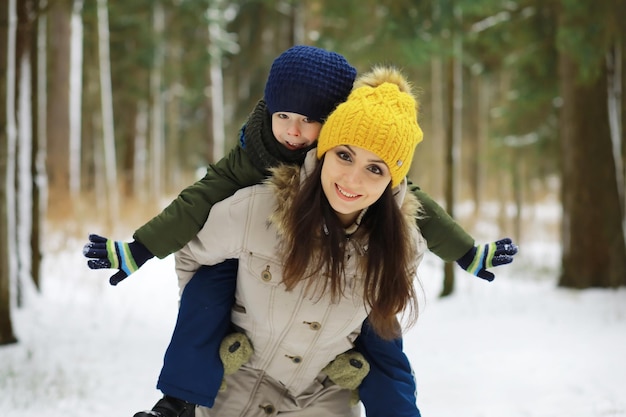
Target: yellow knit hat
380, 116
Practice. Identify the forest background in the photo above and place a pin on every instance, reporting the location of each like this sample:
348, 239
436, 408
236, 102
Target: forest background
108, 108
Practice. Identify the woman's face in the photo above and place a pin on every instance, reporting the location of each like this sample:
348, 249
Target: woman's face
353, 178
294, 131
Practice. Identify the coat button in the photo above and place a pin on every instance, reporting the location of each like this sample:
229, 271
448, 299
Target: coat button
295, 359
266, 275
268, 409
313, 325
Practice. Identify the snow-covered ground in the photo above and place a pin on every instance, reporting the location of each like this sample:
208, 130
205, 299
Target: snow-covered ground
516, 347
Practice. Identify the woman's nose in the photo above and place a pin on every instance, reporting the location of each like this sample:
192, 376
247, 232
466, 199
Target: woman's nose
352, 176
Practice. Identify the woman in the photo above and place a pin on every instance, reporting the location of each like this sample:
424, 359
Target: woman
320, 248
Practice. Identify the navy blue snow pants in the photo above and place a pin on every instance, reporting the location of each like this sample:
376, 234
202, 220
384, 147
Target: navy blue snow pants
192, 370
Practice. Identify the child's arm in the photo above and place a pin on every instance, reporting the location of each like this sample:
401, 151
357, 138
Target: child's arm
447, 239
389, 387
179, 222
444, 236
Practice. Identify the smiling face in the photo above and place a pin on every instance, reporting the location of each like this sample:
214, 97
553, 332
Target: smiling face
353, 178
294, 131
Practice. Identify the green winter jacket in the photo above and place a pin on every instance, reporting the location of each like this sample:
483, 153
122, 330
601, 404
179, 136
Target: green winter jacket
248, 164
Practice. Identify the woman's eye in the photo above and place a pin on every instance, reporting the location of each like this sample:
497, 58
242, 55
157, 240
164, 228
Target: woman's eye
376, 170
343, 155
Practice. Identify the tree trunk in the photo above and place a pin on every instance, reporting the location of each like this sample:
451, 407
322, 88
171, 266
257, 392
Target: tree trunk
23, 175
518, 177
622, 104
172, 142
24, 110
437, 120
453, 139
75, 97
126, 131
482, 135
7, 129
58, 120
140, 152
91, 127
156, 105
247, 68
217, 94
106, 96
594, 251
38, 150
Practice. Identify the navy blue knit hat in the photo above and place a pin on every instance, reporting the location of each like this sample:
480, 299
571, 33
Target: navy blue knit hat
308, 81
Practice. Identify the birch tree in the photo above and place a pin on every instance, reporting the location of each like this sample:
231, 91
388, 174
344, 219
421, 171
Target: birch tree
24, 180
219, 15
26, 14
217, 83
106, 97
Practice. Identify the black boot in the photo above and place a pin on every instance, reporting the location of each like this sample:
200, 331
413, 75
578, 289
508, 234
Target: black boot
169, 407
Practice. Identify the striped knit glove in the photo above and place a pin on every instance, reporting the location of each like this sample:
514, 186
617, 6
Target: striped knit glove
105, 253
479, 258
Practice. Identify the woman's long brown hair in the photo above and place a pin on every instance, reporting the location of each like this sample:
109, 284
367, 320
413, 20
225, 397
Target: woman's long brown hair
315, 249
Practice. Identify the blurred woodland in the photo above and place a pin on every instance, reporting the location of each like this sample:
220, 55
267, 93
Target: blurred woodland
109, 106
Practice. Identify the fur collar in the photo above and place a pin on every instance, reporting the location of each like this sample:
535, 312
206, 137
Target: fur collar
285, 181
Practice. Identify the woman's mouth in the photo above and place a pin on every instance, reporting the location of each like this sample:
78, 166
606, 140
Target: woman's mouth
345, 194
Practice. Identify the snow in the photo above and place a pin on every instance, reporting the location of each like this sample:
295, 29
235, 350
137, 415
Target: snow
517, 347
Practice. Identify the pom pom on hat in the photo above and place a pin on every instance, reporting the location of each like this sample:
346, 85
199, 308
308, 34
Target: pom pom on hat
380, 115
309, 81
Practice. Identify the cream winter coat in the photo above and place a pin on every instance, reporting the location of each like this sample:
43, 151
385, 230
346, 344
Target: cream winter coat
294, 334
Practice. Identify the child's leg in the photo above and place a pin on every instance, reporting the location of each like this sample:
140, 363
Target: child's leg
192, 369
389, 387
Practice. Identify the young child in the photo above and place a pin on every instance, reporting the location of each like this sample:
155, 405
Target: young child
359, 259
304, 81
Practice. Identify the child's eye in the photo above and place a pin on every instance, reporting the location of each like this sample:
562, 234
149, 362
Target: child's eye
307, 120
282, 116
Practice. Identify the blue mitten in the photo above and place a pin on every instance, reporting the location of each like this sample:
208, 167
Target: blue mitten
105, 253
479, 258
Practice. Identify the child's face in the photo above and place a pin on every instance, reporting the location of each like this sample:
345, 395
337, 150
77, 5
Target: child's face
294, 131
353, 178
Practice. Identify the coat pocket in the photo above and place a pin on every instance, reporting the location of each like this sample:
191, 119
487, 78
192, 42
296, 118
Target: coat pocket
264, 269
